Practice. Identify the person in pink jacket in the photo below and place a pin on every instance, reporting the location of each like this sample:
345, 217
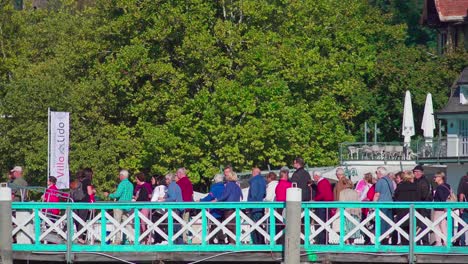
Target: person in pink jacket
51, 195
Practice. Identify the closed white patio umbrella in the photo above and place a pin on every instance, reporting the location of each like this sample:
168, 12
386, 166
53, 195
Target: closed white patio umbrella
428, 122
407, 128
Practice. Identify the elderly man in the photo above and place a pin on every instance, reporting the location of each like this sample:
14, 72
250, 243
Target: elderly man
301, 177
384, 190
187, 194
18, 185
424, 189
124, 193
257, 192
324, 194
174, 194
20, 194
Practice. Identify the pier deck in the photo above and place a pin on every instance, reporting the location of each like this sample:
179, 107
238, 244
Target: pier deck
238, 257
38, 238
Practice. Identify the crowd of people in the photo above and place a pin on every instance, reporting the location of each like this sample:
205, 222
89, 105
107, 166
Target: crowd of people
385, 187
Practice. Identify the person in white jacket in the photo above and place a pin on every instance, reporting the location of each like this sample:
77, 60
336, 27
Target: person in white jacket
272, 182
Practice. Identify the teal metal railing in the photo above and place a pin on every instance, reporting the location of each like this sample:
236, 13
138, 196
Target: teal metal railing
35, 230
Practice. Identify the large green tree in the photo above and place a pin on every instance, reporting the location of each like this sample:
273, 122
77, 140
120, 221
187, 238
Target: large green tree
154, 85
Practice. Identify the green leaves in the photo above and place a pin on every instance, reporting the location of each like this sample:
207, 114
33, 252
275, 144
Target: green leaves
155, 85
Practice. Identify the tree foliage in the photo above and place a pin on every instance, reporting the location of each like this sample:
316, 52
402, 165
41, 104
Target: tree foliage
154, 85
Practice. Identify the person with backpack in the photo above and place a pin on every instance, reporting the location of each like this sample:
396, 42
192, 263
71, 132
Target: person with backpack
441, 194
81, 193
143, 193
384, 190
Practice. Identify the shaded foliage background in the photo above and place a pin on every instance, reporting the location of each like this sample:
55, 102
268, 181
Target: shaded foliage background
154, 85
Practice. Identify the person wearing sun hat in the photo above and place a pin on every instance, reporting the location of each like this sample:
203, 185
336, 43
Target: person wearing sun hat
18, 185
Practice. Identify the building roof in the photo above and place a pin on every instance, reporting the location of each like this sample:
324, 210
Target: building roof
444, 11
453, 105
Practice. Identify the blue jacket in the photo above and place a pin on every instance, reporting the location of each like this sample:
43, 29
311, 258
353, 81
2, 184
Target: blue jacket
257, 190
216, 191
174, 193
232, 192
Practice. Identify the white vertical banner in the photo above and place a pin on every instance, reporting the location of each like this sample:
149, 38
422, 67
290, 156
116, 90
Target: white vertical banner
59, 132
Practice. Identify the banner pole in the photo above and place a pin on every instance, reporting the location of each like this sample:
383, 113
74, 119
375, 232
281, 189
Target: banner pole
48, 144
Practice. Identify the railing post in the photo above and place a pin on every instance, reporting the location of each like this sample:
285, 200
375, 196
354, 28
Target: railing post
6, 227
412, 233
448, 242
204, 227
238, 227
378, 225
170, 227
306, 227
292, 247
342, 226
271, 211
136, 211
69, 233
103, 228
37, 227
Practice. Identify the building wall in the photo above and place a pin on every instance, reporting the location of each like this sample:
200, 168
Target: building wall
454, 173
452, 37
465, 37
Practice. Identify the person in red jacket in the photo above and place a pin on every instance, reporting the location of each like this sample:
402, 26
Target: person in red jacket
283, 185
280, 191
187, 194
324, 194
365, 211
51, 196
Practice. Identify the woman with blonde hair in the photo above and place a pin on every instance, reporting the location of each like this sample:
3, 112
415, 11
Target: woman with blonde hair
350, 195
232, 193
441, 194
404, 192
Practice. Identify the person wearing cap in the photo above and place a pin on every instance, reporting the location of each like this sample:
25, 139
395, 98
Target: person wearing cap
18, 185
424, 189
216, 191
